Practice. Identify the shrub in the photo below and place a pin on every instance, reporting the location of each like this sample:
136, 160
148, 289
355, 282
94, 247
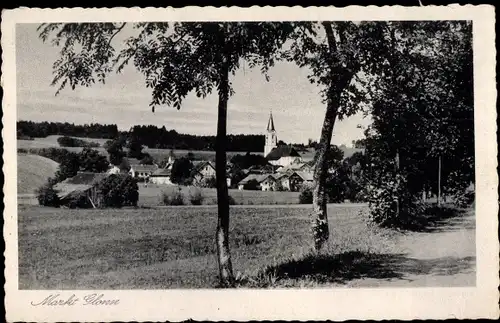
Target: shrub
306, 196
173, 198
208, 182
22, 151
47, 195
67, 141
252, 184
118, 190
392, 204
231, 200
196, 197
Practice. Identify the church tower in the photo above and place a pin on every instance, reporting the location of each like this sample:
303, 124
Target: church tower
271, 139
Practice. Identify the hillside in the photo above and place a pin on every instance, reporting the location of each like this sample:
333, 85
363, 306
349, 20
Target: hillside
33, 171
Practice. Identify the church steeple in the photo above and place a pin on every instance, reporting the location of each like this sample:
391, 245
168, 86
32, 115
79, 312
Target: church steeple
270, 123
271, 139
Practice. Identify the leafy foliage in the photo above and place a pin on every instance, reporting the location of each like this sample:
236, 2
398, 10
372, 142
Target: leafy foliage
66, 141
181, 171
252, 185
174, 198
47, 195
306, 196
91, 161
118, 190
115, 151
196, 196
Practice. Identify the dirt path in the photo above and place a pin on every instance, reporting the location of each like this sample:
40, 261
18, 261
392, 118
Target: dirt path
444, 256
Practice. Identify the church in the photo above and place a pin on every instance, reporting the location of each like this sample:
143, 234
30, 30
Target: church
278, 155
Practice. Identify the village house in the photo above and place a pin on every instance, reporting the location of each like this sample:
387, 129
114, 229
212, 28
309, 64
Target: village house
284, 156
266, 182
142, 171
299, 166
80, 189
161, 177
202, 169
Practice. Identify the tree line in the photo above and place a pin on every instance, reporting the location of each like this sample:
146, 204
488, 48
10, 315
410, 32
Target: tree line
155, 137
33, 129
150, 136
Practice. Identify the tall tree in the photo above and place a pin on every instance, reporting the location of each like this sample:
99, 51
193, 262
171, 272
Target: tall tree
334, 52
176, 59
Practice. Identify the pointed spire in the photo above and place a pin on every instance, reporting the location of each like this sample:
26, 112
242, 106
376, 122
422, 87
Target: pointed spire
270, 123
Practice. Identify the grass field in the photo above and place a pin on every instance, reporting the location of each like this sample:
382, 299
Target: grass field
271, 246
33, 171
168, 247
150, 195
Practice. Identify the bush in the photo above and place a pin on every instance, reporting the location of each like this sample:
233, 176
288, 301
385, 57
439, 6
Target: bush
66, 141
231, 200
47, 195
173, 198
306, 196
118, 190
252, 185
208, 182
392, 204
196, 197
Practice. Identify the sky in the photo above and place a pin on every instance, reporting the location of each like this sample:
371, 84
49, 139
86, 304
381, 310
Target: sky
124, 100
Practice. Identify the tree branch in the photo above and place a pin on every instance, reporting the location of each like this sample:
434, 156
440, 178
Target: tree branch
116, 32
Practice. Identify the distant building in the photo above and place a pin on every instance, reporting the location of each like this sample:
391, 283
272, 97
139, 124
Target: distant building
283, 156
202, 170
266, 182
161, 177
81, 188
142, 171
271, 138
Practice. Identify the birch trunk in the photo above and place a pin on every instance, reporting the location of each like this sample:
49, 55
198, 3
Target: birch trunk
222, 234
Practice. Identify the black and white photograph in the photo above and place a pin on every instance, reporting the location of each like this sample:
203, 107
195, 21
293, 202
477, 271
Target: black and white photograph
227, 155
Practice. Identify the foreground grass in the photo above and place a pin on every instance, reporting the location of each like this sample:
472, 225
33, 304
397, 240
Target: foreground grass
173, 247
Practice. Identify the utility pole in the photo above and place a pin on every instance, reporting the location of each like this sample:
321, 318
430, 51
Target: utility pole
398, 188
439, 181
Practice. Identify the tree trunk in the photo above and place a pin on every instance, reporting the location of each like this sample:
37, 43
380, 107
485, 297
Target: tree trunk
222, 235
339, 79
320, 216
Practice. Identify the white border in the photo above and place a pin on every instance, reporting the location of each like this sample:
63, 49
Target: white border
333, 304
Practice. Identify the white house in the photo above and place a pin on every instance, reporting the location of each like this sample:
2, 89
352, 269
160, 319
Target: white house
284, 156
161, 177
142, 171
203, 169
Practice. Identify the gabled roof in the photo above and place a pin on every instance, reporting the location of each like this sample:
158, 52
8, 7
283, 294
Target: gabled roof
144, 168
258, 177
161, 172
82, 181
282, 151
87, 178
293, 167
306, 176
200, 164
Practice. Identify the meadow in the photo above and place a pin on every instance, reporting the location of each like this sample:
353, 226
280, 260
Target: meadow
150, 196
33, 171
173, 247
